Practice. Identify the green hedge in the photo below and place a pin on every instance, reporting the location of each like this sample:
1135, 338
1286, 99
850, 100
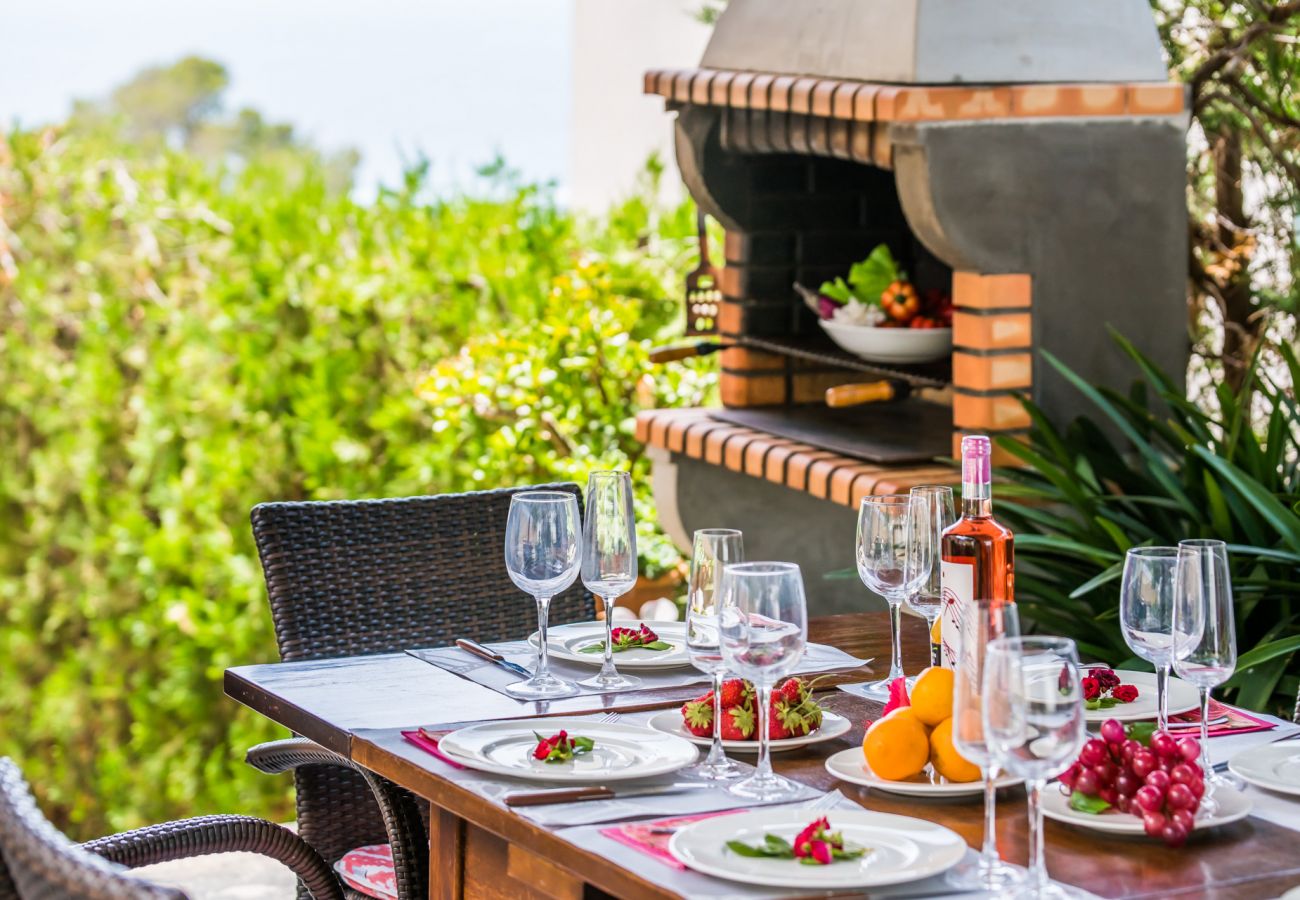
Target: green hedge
179, 341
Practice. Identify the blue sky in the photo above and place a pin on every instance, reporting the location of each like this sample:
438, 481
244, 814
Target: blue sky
459, 81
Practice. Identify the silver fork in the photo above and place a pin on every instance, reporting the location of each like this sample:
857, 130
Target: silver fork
609, 717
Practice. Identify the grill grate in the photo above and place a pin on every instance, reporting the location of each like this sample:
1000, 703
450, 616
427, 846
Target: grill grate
821, 350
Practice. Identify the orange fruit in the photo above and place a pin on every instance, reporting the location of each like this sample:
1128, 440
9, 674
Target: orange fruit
896, 746
932, 695
945, 758
936, 631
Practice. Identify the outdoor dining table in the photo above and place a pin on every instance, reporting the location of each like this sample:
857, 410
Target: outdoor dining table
358, 707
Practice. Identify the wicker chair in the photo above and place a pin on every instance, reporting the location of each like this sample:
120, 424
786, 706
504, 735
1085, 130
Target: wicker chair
380, 576
37, 862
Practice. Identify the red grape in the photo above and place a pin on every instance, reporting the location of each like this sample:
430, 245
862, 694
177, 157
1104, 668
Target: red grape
1124, 803
1106, 771
1149, 799
1184, 774
1158, 779
1094, 752
1087, 783
1109, 794
1126, 784
1144, 763
1173, 834
1164, 745
1180, 796
1184, 817
1112, 732
1153, 823
1197, 788
1128, 748
1190, 748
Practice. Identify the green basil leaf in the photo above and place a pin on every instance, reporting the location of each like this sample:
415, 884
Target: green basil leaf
1086, 804
582, 744
658, 645
776, 842
740, 848
594, 648
1092, 704
1141, 732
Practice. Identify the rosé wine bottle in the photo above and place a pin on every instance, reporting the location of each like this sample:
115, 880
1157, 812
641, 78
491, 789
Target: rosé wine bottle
978, 560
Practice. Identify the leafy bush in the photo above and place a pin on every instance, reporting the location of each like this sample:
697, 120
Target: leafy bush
181, 339
1179, 472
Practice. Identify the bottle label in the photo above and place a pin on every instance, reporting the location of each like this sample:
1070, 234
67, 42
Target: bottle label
958, 592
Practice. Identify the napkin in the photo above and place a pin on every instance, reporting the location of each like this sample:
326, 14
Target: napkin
428, 742
1239, 721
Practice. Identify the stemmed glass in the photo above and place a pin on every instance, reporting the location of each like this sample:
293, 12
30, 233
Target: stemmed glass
883, 551
932, 512
542, 557
1035, 727
1205, 635
609, 560
1146, 614
714, 548
763, 622
984, 622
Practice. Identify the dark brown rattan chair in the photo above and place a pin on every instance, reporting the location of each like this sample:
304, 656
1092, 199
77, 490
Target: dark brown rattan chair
37, 862
381, 576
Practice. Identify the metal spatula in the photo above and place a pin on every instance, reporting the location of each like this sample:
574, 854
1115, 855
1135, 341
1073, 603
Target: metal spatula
702, 294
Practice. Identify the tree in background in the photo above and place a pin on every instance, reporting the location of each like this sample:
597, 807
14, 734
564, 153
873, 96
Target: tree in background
1241, 61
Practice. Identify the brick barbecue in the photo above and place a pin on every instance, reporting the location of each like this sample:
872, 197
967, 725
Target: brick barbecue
1026, 156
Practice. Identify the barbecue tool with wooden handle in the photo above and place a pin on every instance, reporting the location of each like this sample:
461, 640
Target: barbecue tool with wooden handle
884, 391
703, 296
685, 351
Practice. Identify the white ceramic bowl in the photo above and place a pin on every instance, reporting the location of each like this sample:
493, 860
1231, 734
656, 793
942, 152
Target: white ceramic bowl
890, 345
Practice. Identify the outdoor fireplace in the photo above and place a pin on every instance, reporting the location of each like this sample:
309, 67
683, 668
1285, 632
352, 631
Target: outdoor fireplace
1025, 155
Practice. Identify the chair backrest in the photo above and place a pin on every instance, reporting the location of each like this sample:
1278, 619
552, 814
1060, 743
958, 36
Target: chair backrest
379, 576
38, 862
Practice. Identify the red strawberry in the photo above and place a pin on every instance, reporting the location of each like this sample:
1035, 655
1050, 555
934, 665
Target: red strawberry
792, 691
697, 716
735, 692
738, 724
790, 719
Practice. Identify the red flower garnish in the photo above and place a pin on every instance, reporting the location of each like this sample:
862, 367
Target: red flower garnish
1091, 688
560, 747
815, 845
1106, 678
1125, 693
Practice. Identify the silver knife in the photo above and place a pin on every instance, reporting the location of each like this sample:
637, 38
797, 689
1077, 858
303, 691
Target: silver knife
596, 792
479, 650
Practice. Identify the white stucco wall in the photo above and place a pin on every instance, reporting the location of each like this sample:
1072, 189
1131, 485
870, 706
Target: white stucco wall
615, 127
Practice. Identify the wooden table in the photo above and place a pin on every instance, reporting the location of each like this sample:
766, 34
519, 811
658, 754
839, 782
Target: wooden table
480, 849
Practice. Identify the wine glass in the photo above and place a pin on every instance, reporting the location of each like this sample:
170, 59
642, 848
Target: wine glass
542, 556
932, 512
1034, 727
763, 623
713, 549
883, 550
984, 622
1205, 635
1146, 614
609, 560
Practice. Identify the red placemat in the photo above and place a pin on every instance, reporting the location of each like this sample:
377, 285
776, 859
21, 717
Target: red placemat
652, 838
428, 742
1239, 721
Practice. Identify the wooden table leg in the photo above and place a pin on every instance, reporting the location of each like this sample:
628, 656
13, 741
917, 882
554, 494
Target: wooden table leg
446, 855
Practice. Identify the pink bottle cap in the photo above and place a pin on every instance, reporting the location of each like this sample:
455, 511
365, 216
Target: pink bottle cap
976, 459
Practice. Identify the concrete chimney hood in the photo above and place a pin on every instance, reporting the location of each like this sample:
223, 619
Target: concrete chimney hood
941, 41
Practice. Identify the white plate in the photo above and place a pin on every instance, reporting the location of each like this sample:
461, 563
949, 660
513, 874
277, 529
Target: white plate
622, 752
890, 345
566, 642
1183, 697
903, 849
670, 722
1276, 768
1233, 805
851, 766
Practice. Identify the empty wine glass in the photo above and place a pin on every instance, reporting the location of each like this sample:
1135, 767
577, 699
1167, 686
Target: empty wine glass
763, 622
883, 550
1146, 614
1034, 726
1205, 635
713, 548
543, 557
932, 512
609, 560
984, 622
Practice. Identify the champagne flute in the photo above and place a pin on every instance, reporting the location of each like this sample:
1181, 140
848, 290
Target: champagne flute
763, 623
932, 512
1146, 614
714, 548
984, 622
1034, 726
884, 521
609, 561
1205, 636
543, 557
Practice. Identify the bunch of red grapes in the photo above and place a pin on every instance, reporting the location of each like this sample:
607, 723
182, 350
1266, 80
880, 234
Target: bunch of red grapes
1161, 782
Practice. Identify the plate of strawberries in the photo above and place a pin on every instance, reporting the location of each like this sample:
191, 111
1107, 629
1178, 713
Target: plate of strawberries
795, 718
637, 644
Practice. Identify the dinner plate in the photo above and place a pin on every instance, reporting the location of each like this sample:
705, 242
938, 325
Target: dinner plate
902, 849
670, 722
567, 641
621, 752
851, 766
1233, 805
1276, 768
1183, 697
